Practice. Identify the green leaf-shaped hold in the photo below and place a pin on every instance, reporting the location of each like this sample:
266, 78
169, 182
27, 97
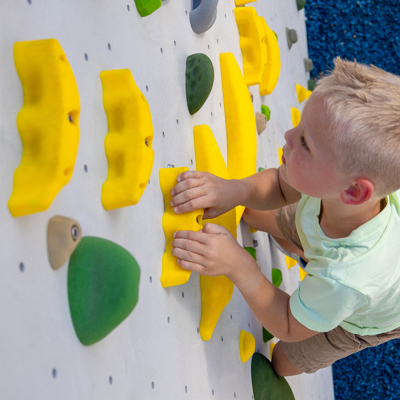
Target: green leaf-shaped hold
276, 277
252, 251
103, 287
267, 385
199, 81
267, 336
147, 7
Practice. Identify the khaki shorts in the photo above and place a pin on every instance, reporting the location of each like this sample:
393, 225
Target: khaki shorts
323, 349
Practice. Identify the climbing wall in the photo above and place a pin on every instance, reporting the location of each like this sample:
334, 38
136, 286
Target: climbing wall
156, 352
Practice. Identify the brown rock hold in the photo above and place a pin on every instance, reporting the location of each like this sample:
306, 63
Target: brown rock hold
63, 235
261, 122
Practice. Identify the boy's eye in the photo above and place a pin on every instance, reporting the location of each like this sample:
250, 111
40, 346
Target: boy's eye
303, 143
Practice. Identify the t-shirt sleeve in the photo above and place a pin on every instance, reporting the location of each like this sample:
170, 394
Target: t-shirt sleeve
321, 304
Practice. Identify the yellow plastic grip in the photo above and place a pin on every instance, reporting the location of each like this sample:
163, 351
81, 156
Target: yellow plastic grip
247, 345
273, 67
216, 292
241, 129
172, 274
296, 116
301, 93
48, 124
251, 40
243, 2
128, 144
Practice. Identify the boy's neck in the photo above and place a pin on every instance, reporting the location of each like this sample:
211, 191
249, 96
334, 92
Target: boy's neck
338, 220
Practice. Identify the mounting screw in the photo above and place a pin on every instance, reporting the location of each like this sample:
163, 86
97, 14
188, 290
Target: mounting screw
75, 233
255, 243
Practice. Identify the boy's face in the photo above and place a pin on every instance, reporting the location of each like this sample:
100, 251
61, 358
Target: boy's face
308, 160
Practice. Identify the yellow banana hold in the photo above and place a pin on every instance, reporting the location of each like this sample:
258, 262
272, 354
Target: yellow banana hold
241, 129
128, 143
273, 68
48, 124
252, 45
216, 292
172, 274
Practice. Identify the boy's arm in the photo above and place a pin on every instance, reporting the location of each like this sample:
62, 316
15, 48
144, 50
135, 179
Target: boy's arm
265, 190
214, 251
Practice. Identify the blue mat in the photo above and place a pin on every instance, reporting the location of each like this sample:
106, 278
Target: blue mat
371, 374
367, 30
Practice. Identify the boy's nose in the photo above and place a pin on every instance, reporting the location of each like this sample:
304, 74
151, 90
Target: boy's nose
288, 138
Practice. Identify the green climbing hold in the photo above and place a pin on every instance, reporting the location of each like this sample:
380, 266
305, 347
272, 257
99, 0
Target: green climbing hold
311, 84
252, 251
276, 277
267, 385
147, 7
266, 111
199, 81
267, 336
300, 4
103, 287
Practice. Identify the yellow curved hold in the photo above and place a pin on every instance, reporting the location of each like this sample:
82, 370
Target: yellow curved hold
216, 292
128, 144
290, 262
273, 68
308, 94
302, 274
280, 153
252, 230
296, 116
239, 3
272, 348
247, 345
48, 124
301, 93
241, 130
252, 45
172, 274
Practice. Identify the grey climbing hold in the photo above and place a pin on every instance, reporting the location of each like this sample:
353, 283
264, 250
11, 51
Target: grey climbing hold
308, 63
291, 36
203, 15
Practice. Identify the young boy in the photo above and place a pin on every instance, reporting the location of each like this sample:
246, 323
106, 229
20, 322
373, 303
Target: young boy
337, 207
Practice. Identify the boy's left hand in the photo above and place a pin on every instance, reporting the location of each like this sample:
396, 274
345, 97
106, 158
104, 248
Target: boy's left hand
212, 251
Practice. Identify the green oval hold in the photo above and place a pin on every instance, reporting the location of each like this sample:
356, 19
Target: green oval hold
267, 385
103, 287
199, 81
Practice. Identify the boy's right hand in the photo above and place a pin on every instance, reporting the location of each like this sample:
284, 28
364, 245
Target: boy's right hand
197, 190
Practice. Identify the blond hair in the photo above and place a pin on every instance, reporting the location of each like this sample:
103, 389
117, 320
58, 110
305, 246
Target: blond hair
364, 103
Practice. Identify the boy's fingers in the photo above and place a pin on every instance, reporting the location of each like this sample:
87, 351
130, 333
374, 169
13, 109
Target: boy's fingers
190, 245
189, 174
185, 185
190, 266
187, 195
199, 236
186, 255
195, 204
214, 229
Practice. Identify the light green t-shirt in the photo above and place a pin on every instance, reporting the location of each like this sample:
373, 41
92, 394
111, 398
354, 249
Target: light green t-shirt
354, 281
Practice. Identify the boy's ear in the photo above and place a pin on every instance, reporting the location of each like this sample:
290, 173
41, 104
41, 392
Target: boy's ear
358, 193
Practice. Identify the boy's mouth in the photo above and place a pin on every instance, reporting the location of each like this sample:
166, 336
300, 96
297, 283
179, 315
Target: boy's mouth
283, 160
